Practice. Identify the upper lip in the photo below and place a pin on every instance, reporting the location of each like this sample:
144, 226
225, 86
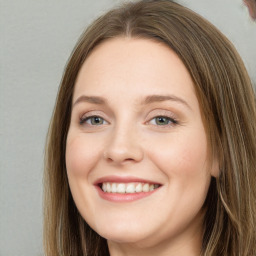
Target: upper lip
125, 179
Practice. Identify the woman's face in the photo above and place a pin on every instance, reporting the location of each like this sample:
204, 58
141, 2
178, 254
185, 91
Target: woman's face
136, 132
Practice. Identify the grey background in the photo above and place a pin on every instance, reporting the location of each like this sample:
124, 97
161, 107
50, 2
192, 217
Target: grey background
36, 38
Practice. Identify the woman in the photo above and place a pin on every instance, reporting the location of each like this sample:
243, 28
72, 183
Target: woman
151, 147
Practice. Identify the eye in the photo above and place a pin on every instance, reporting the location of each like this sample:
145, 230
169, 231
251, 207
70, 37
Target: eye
93, 120
163, 121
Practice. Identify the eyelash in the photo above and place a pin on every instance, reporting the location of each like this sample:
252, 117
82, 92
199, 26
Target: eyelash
86, 118
171, 121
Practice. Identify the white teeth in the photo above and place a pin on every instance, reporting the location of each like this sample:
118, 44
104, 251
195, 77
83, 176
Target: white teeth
128, 187
145, 187
139, 188
114, 188
121, 188
108, 187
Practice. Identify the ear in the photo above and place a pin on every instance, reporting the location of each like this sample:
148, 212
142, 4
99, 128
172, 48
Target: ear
215, 170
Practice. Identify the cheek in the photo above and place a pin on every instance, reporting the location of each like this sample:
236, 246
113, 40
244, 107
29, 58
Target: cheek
183, 155
81, 156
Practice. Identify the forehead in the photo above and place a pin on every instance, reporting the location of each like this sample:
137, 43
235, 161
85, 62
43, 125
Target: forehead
141, 66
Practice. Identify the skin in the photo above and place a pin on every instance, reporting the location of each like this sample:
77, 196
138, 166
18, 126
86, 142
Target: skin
130, 142
251, 5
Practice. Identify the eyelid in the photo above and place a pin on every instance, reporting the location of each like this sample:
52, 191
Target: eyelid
172, 118
161, 112
171, 122
84, 120
91, 114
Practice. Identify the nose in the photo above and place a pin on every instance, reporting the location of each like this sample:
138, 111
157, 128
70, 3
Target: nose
123, 147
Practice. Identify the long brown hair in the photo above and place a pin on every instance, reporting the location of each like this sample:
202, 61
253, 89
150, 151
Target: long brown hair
227, 102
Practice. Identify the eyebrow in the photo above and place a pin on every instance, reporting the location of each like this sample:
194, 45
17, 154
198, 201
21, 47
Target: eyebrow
148, 100
90, 99
158, 98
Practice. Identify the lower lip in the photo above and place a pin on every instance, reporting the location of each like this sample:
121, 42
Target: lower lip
126, 197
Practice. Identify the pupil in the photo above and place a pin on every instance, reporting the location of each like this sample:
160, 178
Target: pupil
97, 120
161, 120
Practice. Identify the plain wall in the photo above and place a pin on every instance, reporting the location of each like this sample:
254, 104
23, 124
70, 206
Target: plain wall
36, 38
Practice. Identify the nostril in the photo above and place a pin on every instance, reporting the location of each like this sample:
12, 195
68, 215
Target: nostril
123, 152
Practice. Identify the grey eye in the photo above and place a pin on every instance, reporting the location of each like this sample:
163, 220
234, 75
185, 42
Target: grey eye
95, 120
161, 120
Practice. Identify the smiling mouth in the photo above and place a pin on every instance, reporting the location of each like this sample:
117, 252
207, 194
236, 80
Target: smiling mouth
127, 188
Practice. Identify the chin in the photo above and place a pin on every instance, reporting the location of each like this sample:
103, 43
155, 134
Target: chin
124, 233
123, 238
